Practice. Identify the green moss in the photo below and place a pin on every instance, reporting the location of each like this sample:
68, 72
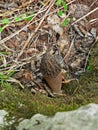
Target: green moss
86, 89
23, 104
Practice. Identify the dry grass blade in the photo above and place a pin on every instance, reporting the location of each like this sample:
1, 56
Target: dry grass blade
94, 20
15, 81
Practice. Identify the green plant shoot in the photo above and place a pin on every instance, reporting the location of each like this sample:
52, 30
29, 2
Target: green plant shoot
65, 22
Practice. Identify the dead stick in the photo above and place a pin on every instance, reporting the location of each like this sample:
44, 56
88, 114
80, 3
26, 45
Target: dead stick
85, 15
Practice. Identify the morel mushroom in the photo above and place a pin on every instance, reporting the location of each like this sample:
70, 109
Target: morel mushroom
51, 70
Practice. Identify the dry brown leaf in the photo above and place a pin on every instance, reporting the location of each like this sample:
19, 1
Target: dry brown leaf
31, 51
23, 35
19, 74
11, 44
31, 27
27, 76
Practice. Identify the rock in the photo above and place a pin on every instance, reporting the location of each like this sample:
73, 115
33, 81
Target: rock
3, 113
37, 122
84, 118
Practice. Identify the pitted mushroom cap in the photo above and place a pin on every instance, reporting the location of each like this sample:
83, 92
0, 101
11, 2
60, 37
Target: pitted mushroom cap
50, 67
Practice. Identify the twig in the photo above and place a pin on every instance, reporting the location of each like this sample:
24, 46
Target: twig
88, 55
15, 81
14, 34
36, 83
51, 4
93, 3
92, 11
61, 7
92, 21
32, 34
8, 48
69, 50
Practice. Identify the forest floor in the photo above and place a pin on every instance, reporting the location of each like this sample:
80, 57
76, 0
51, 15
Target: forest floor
25, 34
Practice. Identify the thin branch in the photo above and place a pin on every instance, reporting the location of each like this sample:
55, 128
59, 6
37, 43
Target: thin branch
89, 54
14, 34
92, 11
69, 50
32, 34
